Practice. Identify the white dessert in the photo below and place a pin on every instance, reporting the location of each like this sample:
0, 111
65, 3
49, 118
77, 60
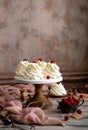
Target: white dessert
33, 72
42, 64
41, 70
57, 89
21, 67
52, 69
38, 70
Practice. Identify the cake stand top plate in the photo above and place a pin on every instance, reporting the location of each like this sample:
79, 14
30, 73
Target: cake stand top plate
46, 81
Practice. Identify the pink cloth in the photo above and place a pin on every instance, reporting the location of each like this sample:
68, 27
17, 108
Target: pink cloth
12, 107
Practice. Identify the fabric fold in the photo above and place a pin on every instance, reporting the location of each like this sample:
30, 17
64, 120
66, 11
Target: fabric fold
12, 108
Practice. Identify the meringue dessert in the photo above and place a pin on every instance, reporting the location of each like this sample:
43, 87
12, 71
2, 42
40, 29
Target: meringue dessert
57, 89
33, 72
21, 67
39, 70
52, 69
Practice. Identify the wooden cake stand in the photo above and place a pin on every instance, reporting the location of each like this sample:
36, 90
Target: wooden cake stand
39, 100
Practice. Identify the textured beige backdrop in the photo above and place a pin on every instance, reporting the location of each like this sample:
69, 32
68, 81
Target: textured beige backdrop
51, 29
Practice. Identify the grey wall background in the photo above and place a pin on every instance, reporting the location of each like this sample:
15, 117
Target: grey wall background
51, 29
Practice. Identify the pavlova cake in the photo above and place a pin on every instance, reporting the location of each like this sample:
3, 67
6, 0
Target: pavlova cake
41, 70
37, 70
57, 89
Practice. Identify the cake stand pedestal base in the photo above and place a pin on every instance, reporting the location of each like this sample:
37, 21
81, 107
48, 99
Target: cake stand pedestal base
39, 100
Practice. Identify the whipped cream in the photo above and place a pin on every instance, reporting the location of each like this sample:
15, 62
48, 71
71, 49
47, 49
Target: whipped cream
33, 72
52, 70
21, 67
42, 64
38, 70
57, 90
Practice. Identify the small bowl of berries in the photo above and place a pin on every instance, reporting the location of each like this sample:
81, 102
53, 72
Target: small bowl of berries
70, 104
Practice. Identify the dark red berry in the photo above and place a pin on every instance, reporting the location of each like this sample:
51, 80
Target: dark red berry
40, 59
25, 59
64, 100
79, 111
66, 118
58, 82
77, 101
52, 61
75, 93
34, 61
81, 96
48, 77
69, 98
68, 103
72, 100
47, 97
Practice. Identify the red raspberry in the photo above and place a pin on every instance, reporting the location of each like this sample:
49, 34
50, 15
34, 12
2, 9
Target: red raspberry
75, 93
81, 96
58, 82
40, 59
77, 101
48, 77
47, 97
66, 118
72, 102
68, 103
79, 111
74, 98
34, 61
69, 99
64, 100
52, 61
25, 59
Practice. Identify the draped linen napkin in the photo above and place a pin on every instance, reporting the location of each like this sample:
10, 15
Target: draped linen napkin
12, 107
